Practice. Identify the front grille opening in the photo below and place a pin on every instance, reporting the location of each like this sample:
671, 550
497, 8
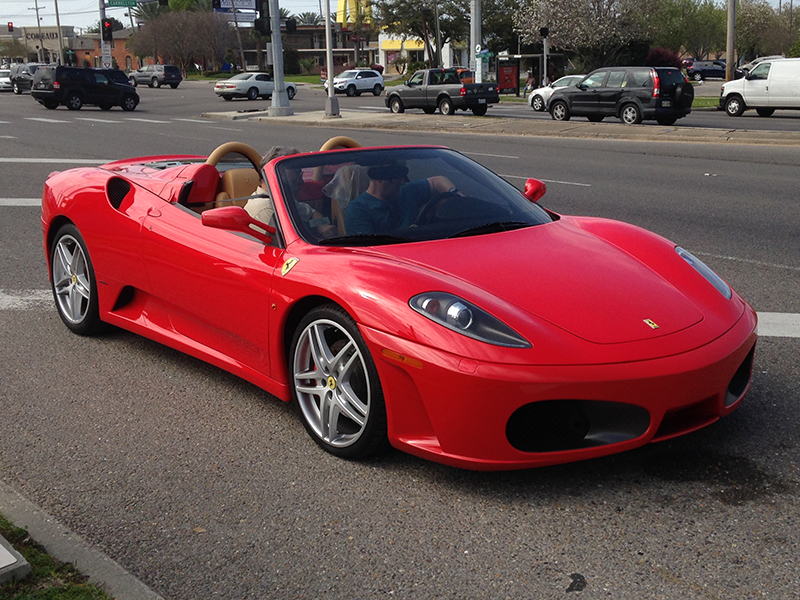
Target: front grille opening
556, 425
741, 380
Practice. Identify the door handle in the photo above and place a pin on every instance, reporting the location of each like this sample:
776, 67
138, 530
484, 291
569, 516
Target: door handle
153, 212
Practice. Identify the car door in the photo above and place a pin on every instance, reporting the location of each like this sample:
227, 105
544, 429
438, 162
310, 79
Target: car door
102, 90
609, 95
265, 84
413, 94
756, 87
586, 96
216, 284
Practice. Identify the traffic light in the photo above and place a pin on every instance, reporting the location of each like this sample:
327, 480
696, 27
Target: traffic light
291, 25
262, 26
10, 27
544, 32
108, 31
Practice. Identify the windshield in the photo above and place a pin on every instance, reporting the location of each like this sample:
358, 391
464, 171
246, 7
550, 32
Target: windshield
374, 197
347, 75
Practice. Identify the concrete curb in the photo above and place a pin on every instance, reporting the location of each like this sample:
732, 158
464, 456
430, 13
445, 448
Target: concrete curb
518, 127
13, 565
69, 547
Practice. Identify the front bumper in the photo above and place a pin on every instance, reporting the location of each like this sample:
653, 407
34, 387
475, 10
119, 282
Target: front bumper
486, 416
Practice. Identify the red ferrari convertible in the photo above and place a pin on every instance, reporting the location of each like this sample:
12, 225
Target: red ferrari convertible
404, 296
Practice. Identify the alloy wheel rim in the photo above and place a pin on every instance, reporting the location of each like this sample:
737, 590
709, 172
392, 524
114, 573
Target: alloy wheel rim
71, 280
332, 383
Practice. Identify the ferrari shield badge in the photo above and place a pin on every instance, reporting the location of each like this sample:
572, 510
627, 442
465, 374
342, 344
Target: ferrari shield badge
650, 322
287, 266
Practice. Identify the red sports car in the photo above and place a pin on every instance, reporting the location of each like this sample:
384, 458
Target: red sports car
404, 296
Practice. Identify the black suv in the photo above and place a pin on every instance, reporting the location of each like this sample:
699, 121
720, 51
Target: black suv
156, 76
21, 76
75, 86
701, 69
630, 93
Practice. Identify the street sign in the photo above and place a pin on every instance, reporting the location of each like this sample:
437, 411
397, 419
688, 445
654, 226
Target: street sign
125, 3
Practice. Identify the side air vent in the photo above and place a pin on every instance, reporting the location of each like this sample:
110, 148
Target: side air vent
117, 190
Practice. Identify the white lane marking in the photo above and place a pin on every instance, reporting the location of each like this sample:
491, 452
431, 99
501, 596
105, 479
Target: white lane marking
750, 261
20, 201
43, 120
770, 324
225, 128
97, 120
56, 161
778, 324
8, 137
548, 180
156, 121
491, 155
192, 120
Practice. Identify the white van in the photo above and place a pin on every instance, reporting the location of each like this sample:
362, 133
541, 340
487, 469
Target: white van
769, 85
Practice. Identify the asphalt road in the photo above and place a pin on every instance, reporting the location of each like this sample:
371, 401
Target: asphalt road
203, 486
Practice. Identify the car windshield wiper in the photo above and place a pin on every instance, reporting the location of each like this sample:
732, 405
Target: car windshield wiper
364, 239
492, 228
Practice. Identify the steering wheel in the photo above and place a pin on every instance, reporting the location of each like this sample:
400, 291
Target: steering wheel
238, 147
428, 210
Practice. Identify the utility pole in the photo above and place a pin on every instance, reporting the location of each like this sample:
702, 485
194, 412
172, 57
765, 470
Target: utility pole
331, 103
280, 99
60, 38
438, 35
730, 62
40, 49
475, 62
238, 35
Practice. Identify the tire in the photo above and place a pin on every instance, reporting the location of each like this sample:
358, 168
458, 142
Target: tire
290, 92
351, 90
16, 88
429, 110
765, 112
155, 83
50, 104
630, 114
560, 111
684, 95
734, 106
666, 120
228, 98
335, 384
128, 103
74, 101
697, 77
446, 106
174, 86
132, 81
105, 106
396, 105
595, 118
479, 110
537, 103
252, 94
73, 283
376, 91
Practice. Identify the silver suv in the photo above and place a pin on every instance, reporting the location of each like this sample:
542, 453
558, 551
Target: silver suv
156, 76
356, 81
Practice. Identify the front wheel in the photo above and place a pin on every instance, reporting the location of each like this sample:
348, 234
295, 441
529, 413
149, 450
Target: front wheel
174, 86
16, 88
351, 90
666, 120
155, 83
537, 103
429, 110
765, 112
479, 110
697, 77
630, 114
50, 104
559, 111
396, 105
335, 384
734, 106
73, 283
446, 106
132, 81
128, 103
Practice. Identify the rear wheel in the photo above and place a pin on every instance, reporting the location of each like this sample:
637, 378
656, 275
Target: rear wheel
559, 111
73, 283
377, 89
174, 86
479, 110
290, 92
630, 115
335, 384
446, 106
765, 112
252, 93
74, 101
734, 106
396, 105
666, 120
51, 104
697, 77
17, 89
537, 103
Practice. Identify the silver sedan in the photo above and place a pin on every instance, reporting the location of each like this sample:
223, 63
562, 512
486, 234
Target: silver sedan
250, 86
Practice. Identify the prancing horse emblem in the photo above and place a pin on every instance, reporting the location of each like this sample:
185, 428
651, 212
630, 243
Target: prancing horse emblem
651, 323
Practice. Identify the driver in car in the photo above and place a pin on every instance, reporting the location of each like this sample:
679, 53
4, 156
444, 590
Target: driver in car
391, 201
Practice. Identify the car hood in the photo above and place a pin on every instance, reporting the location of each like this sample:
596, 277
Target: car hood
567, 276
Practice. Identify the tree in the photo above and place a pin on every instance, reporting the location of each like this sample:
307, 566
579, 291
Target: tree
310, 18
13, 49
758, 30
149, 11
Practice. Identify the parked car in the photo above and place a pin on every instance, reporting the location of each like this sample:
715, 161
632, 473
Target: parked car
21, 75
156, 76
632, 94
538, 98
5, 80
250, 86
745, 68
687, 61
704, 69
770, 85
440, 336
357, 81
430, 89
75, 86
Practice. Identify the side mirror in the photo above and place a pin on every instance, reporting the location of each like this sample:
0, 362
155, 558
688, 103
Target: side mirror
406, 83
534, 189
235, 218
582, 86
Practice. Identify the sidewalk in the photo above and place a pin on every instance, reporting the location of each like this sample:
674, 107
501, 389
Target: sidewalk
579, 128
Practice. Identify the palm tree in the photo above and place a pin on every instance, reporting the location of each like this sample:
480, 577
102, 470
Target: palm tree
309, 18
149, 11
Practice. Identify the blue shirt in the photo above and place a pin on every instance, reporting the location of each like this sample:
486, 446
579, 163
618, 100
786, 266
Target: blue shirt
367, 214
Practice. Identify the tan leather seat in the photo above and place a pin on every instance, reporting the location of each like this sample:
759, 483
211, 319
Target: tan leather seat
237, 183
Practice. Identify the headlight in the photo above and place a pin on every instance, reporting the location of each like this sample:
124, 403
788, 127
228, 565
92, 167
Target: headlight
704, 270
464, 317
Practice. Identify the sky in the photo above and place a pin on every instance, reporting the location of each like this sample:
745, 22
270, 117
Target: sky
86, 13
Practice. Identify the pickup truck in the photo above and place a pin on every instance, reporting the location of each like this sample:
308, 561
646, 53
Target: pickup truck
430, 89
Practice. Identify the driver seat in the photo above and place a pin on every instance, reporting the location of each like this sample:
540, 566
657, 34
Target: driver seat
349, 182
236, 183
